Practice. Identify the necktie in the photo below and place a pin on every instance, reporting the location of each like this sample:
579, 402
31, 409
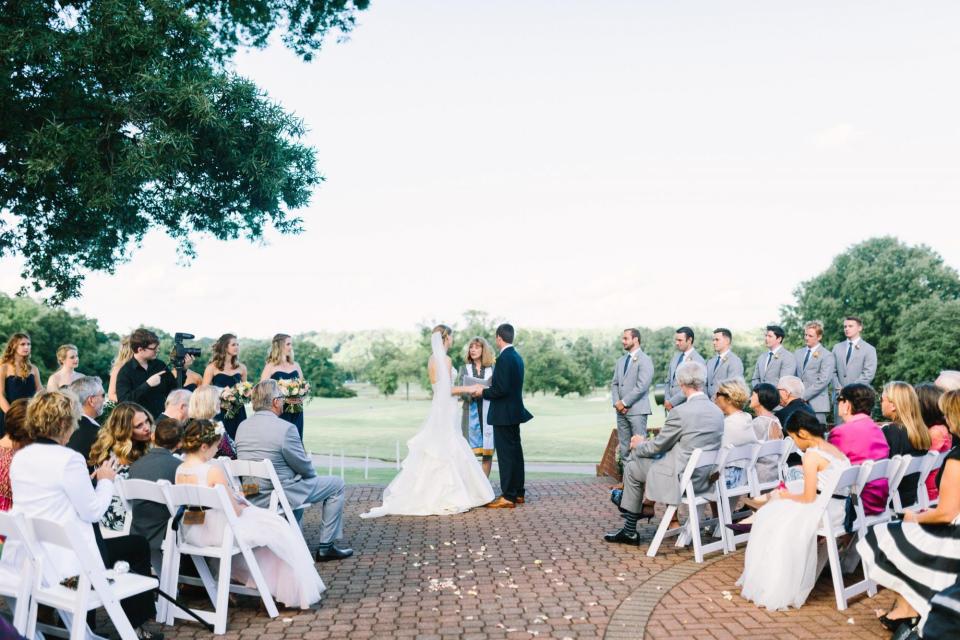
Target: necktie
626, 364
806, 359
769, 358
716, 364
849, 351
679, 362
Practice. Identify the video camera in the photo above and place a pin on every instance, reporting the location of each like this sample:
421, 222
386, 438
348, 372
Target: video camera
180, 352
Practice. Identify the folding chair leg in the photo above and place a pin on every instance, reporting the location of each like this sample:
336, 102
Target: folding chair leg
661, 530
117, 616
261, 582
223, 597
31, 619
836, 573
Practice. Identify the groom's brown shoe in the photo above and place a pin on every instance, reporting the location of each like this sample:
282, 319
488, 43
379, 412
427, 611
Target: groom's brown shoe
500, 503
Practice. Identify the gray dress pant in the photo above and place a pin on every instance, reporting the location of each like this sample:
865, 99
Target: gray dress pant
627, 427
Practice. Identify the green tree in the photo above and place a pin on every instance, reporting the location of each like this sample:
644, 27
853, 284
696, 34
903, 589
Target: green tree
928, 340
326, 378
122, 116
385, 367
549, 367
878, 280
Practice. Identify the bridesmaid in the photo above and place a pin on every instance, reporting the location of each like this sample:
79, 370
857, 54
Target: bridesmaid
69, 357
281, 366
123, 356
19, 378
226, 370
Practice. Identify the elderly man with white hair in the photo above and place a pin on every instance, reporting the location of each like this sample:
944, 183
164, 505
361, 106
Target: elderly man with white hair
177, 406
653, 472
791, 389
948, 380
89, 391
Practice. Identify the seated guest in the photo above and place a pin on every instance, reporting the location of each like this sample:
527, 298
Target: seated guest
906, 435
89, 391
860, 438
159, 463
14, 439
282, 554
940, 440
890, 551
731, 397
51, 481
68, 358
122, 441
781, 562
764, 399
177, 406
791, 391
205, 405
264, 436
948, 380
144, 379
653, 471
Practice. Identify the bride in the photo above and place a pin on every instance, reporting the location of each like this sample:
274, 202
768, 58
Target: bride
440, 474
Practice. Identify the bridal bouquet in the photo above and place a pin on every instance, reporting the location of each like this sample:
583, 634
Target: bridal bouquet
233, 398
294, 391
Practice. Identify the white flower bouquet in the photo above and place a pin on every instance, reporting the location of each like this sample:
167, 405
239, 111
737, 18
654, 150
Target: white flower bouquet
233, 398
294, 391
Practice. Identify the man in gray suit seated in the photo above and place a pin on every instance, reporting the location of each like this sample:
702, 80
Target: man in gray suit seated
265, 436
725, 365
629, 389
815, 368
776, 362
855, 358
653, 472
683, 341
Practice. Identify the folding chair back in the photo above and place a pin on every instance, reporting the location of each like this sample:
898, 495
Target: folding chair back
237, 470
846, 483
871, 470
17, 570
908, 466
772, 450
745, 456
935, 461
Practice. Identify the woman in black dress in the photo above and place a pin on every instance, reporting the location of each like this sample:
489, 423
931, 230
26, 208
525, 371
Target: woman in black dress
281, 366
226, 370
19, 378
907, 435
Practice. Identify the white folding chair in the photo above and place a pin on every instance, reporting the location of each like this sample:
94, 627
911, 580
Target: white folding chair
690, 530
237, 470
108, 533
845, 484
215, 501
744, 456
771, 449
936, 459
152, 492
17, 570
908, 466
97, 587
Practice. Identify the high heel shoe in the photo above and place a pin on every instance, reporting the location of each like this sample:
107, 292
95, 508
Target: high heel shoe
892, 624
646, 513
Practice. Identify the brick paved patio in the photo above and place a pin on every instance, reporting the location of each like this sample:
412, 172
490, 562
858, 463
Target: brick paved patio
539, 571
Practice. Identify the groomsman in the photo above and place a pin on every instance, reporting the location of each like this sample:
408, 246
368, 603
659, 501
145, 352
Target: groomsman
683, 340
629, 389
725, 365
856, 359
816, 369
776, 362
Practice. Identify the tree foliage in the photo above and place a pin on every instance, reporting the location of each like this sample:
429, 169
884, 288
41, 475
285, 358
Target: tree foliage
121, 116
928, 340
879, 280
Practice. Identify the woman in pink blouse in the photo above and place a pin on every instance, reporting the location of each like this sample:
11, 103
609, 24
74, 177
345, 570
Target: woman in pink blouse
860, 438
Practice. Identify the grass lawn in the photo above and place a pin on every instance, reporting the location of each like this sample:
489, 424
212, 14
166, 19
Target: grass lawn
571, 429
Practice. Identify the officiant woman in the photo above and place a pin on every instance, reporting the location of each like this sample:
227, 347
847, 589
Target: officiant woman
478, 365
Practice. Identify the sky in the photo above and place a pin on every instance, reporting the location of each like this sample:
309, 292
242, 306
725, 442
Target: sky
579, 164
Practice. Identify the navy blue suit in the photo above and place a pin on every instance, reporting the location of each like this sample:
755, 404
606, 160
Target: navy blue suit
507, 412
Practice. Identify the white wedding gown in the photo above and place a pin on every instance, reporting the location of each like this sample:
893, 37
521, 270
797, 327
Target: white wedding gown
440, 474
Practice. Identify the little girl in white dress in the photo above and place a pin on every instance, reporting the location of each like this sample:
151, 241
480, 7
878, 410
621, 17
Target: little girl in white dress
284, 559
780, 567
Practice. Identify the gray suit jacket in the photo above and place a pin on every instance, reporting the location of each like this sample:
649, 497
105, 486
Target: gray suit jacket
633, 386
817, 376
697, 423
150, 518
730, 366
265, 436
861, 368
673, 393
782, 364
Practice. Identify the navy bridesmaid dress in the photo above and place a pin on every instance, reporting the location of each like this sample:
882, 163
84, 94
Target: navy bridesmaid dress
230, 424
296, 419
15, 388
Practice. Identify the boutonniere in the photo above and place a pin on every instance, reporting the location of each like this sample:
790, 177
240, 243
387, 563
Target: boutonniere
635, 357
857, 346
723, 360
776, 356
816, 354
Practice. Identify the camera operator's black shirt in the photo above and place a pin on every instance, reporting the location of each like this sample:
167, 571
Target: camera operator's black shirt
132, 385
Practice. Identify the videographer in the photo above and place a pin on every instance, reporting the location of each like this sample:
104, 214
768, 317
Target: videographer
144, 379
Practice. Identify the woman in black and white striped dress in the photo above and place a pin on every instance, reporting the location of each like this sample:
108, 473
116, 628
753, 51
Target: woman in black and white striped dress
920, 556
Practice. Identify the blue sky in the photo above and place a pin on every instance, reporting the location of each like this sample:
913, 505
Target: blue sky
576, 164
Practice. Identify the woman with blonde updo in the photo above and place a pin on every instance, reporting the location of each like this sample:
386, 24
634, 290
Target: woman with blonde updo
732, 396
440, 475
282, 554
122, 440
69, 358
51, 481
124, 353
280, 365
19, 378
205, 405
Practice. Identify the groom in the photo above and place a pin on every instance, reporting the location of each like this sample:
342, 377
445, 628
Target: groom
505, 394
